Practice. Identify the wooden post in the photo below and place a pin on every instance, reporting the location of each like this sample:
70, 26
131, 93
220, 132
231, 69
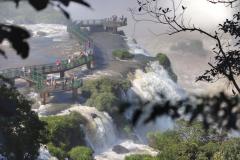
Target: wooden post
74, 93
44, 96
62, 74
89, 65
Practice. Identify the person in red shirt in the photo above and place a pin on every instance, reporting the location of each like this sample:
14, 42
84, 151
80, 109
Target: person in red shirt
58, 62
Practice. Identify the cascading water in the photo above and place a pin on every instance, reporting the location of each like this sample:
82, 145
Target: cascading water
151, 85
100, 131
101, 135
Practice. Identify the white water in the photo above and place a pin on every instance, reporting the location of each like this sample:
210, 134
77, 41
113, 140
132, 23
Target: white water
100, 131
133, 148
102, 136
148, 86
44, 154
135, 48
55, 31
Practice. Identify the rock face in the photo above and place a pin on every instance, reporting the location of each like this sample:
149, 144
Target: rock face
120, 149
165, 62
94, 115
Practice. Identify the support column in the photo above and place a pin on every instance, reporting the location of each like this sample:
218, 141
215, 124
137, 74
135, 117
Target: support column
74, 93
44, 96
62, 74
89, 65
30, 84
114, 29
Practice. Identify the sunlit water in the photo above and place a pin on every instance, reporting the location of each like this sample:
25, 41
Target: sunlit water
52, 43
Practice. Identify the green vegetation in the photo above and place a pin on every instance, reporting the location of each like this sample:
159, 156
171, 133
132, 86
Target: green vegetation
103, 101
122, 54
64, 133
81, 153
192, 143
21, 131
139, 157
166, 63
105, 94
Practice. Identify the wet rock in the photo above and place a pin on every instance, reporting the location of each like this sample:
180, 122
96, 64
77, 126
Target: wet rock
120, 149
93, 115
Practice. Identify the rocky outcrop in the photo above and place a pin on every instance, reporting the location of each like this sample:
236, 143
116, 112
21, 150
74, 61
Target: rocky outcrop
120, 149
166, 63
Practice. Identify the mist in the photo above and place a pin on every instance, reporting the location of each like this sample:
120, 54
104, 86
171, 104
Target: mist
199, 12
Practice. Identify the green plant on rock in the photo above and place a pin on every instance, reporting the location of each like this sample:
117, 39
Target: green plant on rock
104, 93
64, 133
103, 101
81, 153
122, 54
56, 151
166, 63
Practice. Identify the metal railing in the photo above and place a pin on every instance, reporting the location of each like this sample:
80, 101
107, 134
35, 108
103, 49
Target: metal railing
47, 68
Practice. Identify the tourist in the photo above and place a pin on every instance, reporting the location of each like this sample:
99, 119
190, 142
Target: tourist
23, 71
55, 83
69, 60
58, 62
29, 71
52, 79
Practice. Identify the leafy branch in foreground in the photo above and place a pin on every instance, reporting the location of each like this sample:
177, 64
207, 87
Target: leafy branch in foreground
18, 36
226, 55
219, 111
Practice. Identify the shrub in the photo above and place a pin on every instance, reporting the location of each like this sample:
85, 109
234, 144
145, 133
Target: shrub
56, 151
103, 101
81, 153
139, 157
103, 93
122, 54
64, 132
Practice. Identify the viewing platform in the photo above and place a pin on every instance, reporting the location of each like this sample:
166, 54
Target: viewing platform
108, 24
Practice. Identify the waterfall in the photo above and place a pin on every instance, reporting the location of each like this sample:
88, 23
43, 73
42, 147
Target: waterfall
102, 137
155, 81
149, 85
100, 131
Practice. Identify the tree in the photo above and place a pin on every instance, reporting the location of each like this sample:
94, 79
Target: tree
21, 130
227, 56
190, 142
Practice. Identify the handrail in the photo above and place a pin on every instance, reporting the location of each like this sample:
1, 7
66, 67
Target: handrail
36, 73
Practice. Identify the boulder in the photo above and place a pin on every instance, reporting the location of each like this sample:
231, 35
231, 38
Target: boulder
94, 115
120, 149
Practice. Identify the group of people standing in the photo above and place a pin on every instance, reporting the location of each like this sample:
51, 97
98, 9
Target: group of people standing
115, 18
